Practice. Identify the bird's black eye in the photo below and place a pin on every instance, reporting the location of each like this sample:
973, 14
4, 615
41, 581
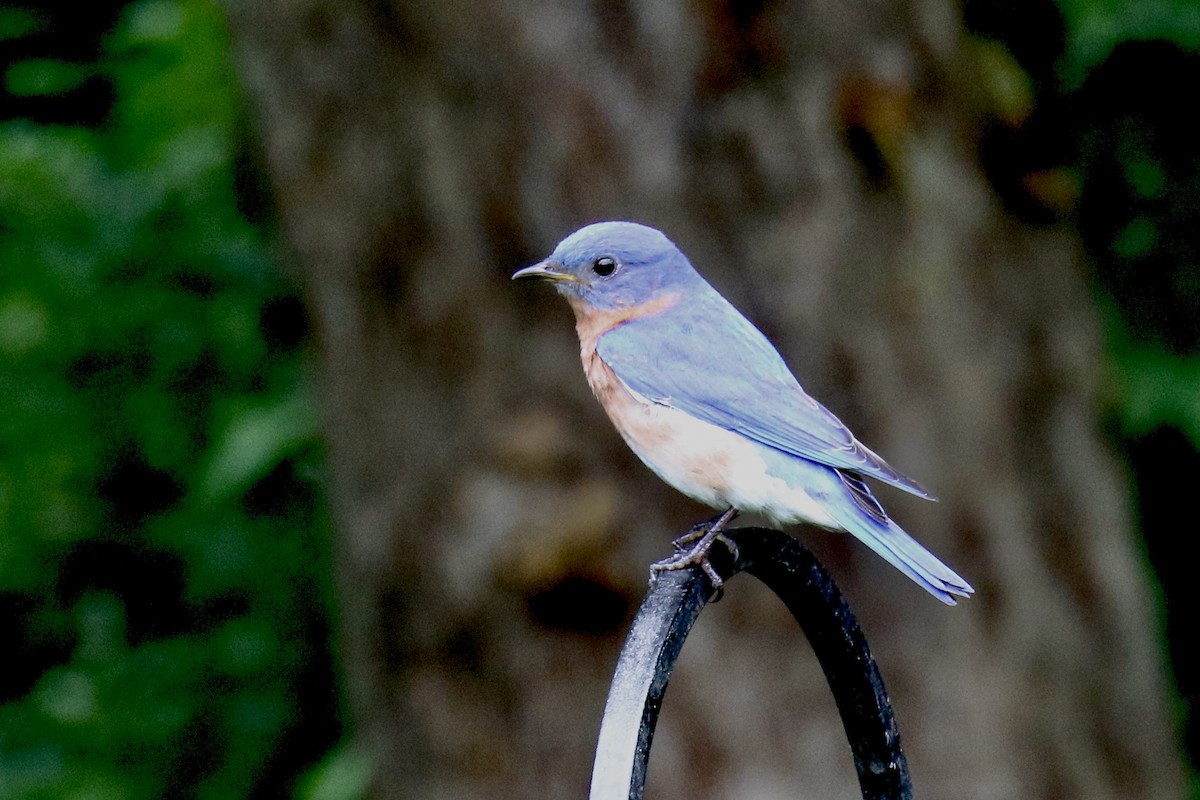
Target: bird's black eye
604, 266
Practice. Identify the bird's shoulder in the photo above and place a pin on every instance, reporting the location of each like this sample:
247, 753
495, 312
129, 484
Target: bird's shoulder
592, 322
702, 339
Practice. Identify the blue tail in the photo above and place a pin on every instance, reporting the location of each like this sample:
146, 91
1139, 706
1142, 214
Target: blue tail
862, 515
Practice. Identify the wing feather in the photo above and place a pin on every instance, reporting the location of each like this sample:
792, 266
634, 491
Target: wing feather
707, 360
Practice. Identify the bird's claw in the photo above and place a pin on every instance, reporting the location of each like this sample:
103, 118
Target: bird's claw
685, 559
703, 535
702, 529
696, 532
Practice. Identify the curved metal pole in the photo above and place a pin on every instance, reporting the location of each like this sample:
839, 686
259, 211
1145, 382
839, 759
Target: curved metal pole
667, 615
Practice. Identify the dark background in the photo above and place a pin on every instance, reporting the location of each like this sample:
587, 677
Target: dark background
298, 496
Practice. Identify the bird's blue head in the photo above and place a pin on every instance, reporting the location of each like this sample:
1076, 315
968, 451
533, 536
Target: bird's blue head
615, 265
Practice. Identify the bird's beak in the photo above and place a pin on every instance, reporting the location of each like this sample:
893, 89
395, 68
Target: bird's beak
543, 270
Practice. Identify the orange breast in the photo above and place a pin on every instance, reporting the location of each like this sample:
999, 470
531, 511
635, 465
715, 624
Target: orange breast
689, 454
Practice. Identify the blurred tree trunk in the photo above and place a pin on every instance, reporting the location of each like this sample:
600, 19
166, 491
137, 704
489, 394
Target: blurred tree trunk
818, 163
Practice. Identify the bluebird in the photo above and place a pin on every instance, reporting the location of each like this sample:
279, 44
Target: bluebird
707, 403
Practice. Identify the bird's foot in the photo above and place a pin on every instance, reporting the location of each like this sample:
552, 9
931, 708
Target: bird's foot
701, 538
700, 529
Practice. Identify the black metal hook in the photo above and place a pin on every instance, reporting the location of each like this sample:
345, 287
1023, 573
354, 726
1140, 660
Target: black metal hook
667, 614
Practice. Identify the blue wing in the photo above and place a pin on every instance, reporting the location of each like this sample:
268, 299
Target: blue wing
705, 359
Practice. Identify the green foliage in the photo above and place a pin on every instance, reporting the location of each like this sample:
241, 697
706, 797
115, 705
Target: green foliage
163, 555
1156, 388
1140, 165
17, 22
1131, 66
1095, 27
43, 76
344, 775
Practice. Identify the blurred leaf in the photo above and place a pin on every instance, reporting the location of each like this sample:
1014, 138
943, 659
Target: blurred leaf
256, 439
43, 76
1008, 87
1146, 176
24, 324
68, 696
1095, 27
345, 774
158, 21
1136, 239
18, 22
1158, 388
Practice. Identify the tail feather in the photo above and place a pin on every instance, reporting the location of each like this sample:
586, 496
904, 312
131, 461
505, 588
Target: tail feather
911, 558
901, 551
